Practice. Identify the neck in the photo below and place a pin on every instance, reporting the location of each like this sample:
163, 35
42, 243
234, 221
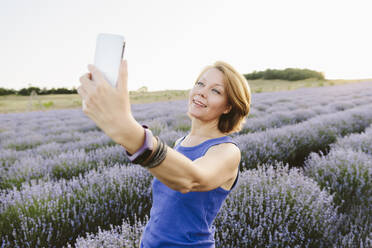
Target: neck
205, 130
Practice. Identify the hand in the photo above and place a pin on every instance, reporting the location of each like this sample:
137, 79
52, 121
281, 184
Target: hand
107, 106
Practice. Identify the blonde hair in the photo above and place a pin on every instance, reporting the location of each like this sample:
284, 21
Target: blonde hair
238, 96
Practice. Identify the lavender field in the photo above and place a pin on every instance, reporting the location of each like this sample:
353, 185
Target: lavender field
306, 174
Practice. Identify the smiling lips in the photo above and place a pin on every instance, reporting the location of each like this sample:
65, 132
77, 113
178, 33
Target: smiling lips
199, 103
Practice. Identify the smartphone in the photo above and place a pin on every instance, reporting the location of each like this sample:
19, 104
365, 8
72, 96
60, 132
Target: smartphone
108, 55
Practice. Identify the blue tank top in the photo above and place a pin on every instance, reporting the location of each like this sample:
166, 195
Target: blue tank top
184, 220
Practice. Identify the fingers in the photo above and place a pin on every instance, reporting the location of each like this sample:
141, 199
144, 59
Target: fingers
123, 76
124, 68
97, 75
87, 87
82, 93
86, 78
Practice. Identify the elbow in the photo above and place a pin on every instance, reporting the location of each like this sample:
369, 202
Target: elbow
189, 186
193, 182
186, 188
192, 185
182, 187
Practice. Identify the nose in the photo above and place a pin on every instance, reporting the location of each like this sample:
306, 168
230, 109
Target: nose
202, 92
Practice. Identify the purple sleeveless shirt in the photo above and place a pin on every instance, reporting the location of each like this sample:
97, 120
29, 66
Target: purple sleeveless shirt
184, 220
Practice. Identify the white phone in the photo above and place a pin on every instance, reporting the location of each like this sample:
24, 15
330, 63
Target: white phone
108, 55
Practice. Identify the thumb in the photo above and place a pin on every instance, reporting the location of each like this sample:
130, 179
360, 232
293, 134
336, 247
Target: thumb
122, 84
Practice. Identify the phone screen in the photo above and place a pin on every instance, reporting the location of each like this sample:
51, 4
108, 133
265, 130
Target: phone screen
108, 55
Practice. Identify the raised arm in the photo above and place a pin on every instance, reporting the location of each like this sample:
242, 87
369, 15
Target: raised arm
109, 108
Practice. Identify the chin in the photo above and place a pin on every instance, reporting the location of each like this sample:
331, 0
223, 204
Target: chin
193, 115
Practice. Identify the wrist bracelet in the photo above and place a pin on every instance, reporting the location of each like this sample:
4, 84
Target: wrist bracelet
145, 150
158, 155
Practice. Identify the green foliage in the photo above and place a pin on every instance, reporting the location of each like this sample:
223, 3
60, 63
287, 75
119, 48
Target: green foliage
28, 91
290, 74
4, 91
48, 104
43, 91
259, 90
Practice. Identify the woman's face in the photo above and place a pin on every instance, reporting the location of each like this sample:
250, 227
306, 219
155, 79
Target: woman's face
208, 98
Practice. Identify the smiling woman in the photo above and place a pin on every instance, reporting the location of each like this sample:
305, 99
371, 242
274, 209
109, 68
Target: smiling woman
192, 180
232, 87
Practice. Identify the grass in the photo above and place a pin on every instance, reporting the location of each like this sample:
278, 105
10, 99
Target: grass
259, 85
13, 103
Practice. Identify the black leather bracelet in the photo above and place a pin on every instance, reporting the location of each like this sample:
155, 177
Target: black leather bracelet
158, 156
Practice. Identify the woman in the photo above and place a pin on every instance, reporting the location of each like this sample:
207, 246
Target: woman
193, 179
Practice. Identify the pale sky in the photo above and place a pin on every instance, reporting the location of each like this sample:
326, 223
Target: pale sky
49, 43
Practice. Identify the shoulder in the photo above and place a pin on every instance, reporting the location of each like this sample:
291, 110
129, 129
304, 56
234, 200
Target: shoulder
224, 151
226, 148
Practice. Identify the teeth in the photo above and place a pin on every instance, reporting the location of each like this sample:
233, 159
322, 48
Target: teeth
199, 103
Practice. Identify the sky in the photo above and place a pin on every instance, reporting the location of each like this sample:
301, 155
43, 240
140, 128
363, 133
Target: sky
49, 43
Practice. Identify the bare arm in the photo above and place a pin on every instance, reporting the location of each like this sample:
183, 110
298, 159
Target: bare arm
110, 109
178, 172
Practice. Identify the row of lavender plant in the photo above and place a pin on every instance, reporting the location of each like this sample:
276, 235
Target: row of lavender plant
63, 165
51, 162
272, 206
275, 206
62, 139
282, 115
69, 142
17, 144
33, 166
169, 118
46, 127
346, 172
300, 114
271, 102
356, 142
42, 127
126, 235
276, 109
345, 239
15, 174
29, 130
51, 214
293, 143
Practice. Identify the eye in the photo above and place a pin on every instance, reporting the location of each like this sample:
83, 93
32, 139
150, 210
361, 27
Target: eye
199, 83
216, 91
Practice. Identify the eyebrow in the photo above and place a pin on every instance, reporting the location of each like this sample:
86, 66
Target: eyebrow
215, 84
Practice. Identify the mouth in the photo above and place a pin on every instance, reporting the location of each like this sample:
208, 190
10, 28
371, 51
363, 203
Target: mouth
198, 103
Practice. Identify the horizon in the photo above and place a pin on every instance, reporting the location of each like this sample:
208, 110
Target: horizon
358, 80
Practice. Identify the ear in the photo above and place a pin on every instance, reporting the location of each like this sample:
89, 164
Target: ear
228, 109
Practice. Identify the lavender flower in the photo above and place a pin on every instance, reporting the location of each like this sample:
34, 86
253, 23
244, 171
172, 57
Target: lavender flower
293, 143
126, 235
348, 175
277, 208
55, 213
357, 142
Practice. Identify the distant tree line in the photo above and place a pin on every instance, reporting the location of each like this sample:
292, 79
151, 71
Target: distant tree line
43, 91
290, 74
